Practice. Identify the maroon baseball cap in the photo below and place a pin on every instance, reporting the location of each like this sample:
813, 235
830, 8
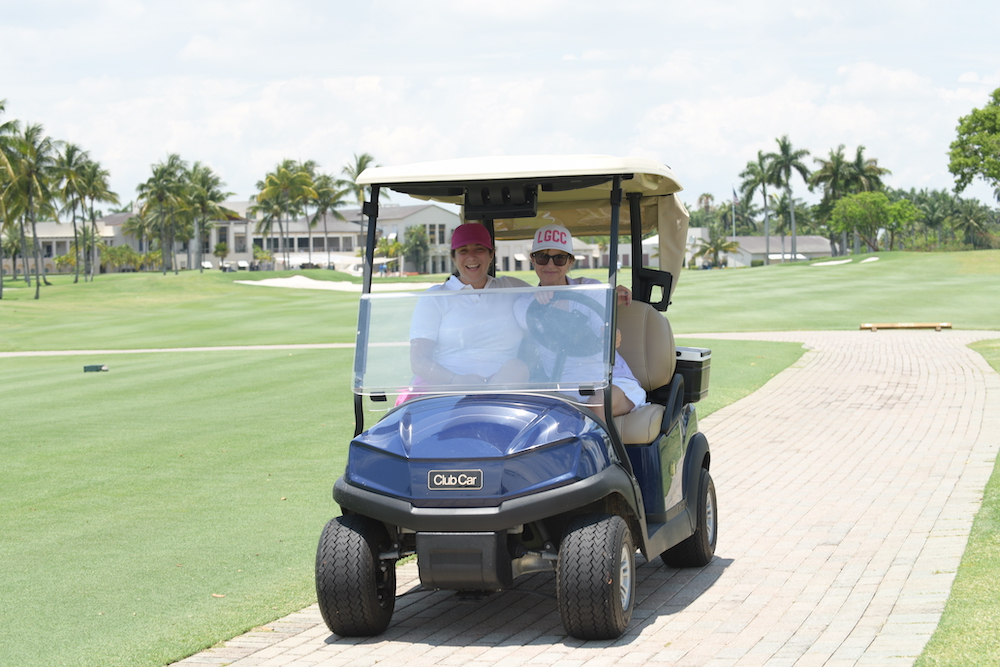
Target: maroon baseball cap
470, 232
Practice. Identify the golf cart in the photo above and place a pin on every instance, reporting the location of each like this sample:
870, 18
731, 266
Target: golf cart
486, 482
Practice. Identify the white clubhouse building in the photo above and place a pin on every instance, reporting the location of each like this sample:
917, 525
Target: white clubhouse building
331, 242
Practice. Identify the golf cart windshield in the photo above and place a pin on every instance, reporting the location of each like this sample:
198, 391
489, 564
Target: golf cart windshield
510, 340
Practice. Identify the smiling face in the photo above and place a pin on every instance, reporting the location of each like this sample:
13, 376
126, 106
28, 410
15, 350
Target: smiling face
551, 274
473, 264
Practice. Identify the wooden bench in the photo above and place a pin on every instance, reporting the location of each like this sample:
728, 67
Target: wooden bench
937, 326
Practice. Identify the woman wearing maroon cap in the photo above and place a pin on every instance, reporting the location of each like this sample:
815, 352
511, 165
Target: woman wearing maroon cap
472, 340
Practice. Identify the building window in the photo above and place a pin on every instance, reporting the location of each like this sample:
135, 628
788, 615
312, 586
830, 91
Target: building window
318, 243
240, 241
303, 243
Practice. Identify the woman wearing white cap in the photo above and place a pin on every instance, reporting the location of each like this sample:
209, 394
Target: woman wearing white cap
552, 258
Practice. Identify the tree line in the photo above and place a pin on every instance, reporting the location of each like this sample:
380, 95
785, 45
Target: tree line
855, 203
40, 179
44, 179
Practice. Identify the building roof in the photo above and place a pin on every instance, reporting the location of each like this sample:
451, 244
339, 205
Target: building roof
803, 244
115, 219
64, 230
388, 213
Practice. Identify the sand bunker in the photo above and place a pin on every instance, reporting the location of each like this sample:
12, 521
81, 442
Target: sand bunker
302, 282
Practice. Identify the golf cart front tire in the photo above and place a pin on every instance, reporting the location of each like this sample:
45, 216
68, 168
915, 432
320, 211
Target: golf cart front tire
356, 591
595, 577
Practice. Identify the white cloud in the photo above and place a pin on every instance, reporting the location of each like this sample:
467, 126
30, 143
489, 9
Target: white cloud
868, 80
702, 86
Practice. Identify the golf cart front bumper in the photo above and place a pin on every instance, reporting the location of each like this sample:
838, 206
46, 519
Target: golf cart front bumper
509, 513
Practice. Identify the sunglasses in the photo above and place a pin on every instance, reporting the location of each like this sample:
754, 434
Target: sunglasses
542, 259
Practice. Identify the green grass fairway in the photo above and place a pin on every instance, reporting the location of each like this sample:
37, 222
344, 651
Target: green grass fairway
962, 288
969, 632
134, 500
176, 500
190, 309
150, 310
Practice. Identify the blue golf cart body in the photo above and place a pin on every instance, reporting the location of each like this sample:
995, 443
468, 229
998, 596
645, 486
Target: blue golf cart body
485, 483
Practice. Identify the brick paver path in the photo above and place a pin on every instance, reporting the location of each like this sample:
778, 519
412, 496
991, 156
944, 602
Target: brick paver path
847, 487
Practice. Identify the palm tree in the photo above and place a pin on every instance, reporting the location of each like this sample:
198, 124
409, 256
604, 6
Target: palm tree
141, 228
95, 184
270, 213
972, 218
416, 246
8, 130
34, 173
717, 243
390, 248
833, 176
756, 177
69, 169
205, 197
783, 165
865, 174
745, 212
705, 202
309, 167
284, 192
780, 205
328, 199
10, 245
936, 207
161, 195
352, 171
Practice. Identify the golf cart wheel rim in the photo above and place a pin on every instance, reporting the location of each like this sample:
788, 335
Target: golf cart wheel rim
625, 578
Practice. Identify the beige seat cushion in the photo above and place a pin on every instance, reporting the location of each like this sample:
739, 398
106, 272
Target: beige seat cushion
647, 344
648, 347
641, 426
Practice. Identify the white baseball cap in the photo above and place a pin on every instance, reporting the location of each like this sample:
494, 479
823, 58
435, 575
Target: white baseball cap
553, 237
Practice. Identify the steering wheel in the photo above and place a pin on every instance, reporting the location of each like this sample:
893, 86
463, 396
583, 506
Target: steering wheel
566, 332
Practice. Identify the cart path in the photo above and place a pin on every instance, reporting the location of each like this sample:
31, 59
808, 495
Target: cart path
847, 487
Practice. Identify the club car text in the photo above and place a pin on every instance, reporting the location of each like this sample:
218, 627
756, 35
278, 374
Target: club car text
456, 480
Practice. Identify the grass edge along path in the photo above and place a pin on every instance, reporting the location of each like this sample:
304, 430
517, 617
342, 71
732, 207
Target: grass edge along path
968, 634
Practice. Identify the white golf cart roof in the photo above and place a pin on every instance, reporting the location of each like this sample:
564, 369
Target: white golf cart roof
651, 177
571, 190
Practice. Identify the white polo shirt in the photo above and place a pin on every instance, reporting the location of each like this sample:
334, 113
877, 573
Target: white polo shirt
473, 334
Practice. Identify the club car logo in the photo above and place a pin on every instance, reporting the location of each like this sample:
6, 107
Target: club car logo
455, 480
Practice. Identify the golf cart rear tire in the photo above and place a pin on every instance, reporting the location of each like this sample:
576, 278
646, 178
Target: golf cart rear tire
698, 550
356, 591
595, 577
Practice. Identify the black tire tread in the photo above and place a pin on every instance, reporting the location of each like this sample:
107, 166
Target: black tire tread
356, 598
586, 577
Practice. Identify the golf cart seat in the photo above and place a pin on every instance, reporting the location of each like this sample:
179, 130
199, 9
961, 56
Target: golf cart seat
648, 347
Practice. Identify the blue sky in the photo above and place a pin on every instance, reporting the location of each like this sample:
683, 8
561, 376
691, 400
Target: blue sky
700, 86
